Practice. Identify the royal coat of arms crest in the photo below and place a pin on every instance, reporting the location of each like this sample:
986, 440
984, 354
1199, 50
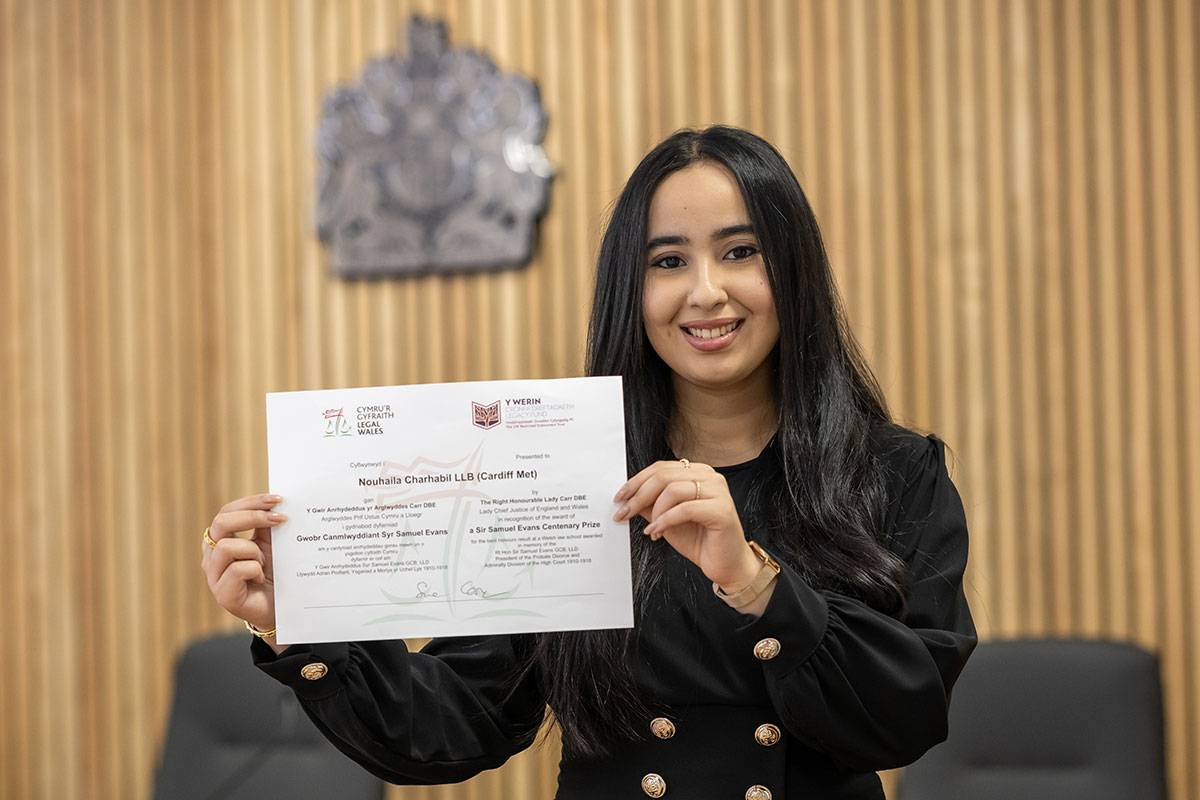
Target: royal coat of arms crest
431, 162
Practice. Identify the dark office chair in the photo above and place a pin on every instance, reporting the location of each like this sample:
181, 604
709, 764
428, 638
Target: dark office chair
236, 733
1049, 720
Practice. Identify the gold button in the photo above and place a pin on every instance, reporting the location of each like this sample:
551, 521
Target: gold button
767, 734
766, 649
654, 785
662, 727
314, 671
757, 792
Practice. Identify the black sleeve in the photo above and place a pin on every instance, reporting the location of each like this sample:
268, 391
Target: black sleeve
440, 715
869, 690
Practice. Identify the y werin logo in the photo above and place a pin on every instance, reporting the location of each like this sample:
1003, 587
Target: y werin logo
485, 416
336, 423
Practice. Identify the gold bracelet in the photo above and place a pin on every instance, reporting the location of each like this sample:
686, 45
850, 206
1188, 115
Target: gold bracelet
257, 632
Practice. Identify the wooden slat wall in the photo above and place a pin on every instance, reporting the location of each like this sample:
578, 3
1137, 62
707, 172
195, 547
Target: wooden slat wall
1010, 192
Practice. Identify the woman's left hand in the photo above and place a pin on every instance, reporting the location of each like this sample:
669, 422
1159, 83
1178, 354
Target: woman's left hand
691, 508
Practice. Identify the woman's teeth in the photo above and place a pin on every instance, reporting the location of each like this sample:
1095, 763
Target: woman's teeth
711, 333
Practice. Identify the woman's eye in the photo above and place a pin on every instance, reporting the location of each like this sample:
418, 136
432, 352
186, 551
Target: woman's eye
741, 252
668, 262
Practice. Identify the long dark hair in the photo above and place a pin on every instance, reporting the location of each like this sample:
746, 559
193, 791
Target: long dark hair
826, 495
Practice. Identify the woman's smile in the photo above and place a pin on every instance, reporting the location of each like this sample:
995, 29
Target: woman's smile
711, 335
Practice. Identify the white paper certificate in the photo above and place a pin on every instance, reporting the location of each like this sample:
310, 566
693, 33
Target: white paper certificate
449, 509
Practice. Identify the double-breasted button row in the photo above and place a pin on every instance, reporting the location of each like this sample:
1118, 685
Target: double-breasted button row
654, 785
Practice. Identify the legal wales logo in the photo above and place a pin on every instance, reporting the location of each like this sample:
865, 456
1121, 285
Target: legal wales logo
336, 423
485, 417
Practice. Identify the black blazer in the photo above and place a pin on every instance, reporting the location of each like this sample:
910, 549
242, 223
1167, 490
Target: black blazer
808, 700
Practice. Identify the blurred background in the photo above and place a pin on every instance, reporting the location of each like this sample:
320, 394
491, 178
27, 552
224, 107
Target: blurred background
1009, 190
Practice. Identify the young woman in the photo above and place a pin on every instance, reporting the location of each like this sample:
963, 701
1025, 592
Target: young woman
797, 557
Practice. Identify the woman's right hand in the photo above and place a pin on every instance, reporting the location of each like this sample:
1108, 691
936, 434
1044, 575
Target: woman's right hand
239, 570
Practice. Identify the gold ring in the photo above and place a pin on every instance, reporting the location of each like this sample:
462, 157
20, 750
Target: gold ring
697, 489
208, 539
685, 463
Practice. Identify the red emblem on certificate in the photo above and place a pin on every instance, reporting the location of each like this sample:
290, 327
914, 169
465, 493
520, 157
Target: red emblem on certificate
485, 416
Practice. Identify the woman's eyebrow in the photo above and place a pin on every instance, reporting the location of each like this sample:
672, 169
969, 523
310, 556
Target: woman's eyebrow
663, 241
731, 230
717, 235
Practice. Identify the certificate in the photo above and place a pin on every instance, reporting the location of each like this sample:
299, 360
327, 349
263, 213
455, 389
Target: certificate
449, 509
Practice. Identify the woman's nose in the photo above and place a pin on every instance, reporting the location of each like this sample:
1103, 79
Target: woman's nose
707, 290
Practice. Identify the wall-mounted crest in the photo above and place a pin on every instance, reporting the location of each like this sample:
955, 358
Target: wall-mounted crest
432, 162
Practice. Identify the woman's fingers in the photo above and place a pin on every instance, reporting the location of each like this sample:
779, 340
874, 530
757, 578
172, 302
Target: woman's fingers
236, 567
263, 501
633, 484
692, 511
231, 588
642, 497
227, 523
227, 552
675, 493
652, 485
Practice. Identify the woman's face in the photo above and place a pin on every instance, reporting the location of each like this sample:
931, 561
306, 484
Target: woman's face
706, 302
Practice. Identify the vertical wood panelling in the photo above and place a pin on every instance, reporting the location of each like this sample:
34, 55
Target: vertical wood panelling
1009, 192
1185, 22
8, 364
1082, 516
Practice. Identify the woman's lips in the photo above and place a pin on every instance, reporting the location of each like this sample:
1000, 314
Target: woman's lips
714, 343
